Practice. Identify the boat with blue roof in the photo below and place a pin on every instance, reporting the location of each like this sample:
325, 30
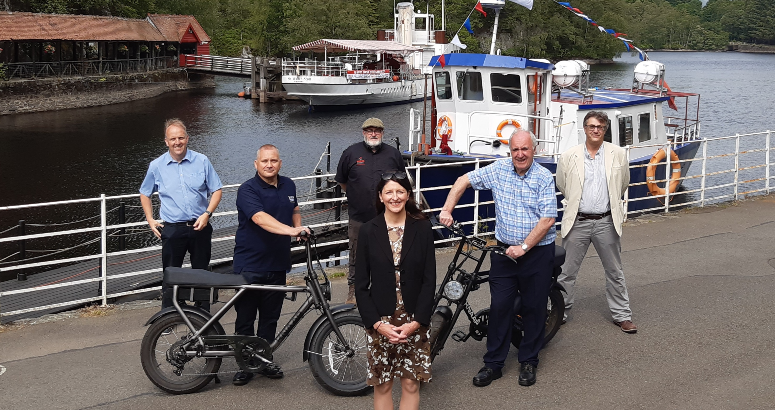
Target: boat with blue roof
478, 100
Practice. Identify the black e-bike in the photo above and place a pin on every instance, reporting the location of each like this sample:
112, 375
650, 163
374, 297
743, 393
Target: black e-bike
182, 349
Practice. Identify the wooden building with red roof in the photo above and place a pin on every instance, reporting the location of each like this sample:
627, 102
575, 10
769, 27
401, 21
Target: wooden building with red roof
35, 44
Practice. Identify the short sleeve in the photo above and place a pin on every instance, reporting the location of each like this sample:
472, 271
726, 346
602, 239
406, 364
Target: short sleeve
483, 178
249, 201
211, 178
148, 187
295, 195
547, 198
343, 168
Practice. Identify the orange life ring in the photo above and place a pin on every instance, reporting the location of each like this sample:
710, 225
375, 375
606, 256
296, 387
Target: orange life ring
675, 175
444, 127
499, 131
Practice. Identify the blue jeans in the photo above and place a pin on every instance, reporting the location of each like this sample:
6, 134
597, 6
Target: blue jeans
267, 304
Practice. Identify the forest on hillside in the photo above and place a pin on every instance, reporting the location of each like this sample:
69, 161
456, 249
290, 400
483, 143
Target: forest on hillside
272, 27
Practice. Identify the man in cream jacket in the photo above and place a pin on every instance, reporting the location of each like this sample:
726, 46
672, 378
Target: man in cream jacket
593, 178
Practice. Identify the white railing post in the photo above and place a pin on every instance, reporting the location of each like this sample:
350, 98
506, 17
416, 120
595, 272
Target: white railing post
737, 165
104, 249
417, 194
767, 162
704, 172
476, 204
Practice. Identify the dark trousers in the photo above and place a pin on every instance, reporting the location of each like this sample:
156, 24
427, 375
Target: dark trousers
531, 277
176, 240
353, 227
268, 304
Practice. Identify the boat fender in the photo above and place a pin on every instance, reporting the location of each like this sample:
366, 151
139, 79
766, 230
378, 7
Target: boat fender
444, 128
675, 175
499, 131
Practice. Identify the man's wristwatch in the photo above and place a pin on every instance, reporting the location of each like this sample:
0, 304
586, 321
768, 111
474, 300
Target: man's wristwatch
209, 214
524, 247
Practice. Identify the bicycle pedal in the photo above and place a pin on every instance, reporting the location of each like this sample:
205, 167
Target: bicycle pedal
460, 336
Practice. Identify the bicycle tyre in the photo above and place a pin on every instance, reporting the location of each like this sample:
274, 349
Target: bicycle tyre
158, 340
332, 369
555, 310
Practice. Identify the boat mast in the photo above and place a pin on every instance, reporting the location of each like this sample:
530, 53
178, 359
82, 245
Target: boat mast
496, 5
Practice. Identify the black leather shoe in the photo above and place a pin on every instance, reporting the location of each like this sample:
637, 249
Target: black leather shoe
242, 378
486, 375
272, 371
527, 374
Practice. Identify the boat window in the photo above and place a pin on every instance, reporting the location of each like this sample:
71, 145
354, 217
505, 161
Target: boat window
506, 88
608, 137
443, 86
469, 85
644, 128
625, 130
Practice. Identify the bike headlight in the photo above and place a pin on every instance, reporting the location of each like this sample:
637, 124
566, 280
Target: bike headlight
453, 290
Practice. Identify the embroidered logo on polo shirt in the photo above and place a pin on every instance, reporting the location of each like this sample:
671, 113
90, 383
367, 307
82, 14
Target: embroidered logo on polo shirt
360, 161
291, 198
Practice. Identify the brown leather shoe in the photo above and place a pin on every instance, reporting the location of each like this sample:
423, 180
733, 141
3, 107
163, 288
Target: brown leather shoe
627, 326
351, 295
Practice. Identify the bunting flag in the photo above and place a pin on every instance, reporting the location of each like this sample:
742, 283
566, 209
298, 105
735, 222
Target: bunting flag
456, 41
524, 3
442, 61
479, 8
467, 25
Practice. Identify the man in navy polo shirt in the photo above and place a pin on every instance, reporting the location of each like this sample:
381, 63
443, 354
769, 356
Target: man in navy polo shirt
184, 179
268, 215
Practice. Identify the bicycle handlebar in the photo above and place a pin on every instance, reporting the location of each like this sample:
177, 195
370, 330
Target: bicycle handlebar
457, 229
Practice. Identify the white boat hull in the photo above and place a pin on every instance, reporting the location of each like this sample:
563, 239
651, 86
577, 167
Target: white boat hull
317, 94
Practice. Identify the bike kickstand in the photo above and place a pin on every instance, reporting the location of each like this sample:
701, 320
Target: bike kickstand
217, 379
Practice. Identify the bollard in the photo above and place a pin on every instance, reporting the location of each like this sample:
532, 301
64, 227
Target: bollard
122, 231
318, 194
22, 251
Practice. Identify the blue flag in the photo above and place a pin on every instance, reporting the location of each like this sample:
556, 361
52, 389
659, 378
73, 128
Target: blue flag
467, 25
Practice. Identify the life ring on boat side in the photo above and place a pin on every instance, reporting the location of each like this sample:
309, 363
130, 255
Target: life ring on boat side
675, 175
499, 131
444, 128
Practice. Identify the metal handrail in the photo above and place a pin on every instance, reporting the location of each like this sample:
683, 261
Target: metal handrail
711, 189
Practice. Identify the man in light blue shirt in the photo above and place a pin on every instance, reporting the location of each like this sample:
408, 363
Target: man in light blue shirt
184, 179
525, 210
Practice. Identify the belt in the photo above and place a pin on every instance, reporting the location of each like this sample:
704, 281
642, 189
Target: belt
503, 244
584, 217
186, 223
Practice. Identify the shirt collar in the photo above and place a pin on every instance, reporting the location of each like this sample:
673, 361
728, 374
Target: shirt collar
169, 158
264, 184
527, 174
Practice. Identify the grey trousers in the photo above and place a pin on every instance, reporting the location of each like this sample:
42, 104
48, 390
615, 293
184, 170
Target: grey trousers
353, 227
602, 234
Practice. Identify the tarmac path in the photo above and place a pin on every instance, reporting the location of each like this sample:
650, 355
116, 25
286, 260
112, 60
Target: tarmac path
700, 285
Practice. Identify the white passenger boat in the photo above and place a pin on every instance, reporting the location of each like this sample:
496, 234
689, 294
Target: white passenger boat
389, 70
480, 99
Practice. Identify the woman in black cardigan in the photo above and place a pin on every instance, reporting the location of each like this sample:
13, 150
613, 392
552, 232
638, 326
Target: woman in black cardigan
395, 280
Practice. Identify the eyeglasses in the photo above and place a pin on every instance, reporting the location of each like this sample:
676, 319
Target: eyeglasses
373, 131
596, 127
387, 176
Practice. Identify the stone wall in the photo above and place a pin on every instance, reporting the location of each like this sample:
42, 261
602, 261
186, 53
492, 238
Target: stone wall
47, 94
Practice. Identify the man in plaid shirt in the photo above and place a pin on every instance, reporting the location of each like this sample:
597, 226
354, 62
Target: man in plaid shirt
525, 210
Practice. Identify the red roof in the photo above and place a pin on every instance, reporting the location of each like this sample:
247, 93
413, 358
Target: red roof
157, 27
38, 26
174, 27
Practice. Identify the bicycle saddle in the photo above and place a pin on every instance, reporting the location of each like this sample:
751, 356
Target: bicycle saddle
201, 278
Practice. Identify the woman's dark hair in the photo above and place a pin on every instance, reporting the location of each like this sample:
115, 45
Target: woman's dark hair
411, 205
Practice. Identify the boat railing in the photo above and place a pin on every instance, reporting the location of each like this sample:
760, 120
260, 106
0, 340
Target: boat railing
317, 68
723, 169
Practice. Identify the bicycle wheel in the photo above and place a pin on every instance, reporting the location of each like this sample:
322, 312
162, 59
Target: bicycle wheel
555, 309
164, 361
332, 367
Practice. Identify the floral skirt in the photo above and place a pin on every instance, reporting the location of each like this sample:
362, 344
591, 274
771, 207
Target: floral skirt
411, 360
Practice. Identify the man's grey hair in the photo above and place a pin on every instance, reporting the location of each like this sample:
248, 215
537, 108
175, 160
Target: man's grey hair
266, 146
176, 122
533, 138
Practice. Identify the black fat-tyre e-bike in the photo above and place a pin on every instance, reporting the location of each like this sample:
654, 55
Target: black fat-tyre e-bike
182, 349
458, 283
